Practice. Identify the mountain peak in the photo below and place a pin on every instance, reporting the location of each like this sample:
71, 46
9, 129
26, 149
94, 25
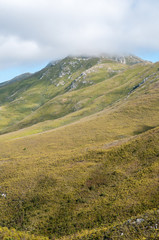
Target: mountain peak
124, 59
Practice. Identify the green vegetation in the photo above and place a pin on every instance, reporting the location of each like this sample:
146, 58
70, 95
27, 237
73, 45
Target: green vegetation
71, 85
12, 234
94, 174
54, 195
141, 227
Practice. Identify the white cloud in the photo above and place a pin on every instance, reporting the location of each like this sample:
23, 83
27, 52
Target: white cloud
14, 50
45, 29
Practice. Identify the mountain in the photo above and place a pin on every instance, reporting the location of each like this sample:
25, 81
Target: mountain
79, 151
46, 94
18, 78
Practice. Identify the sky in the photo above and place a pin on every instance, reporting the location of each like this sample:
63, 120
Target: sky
32, 33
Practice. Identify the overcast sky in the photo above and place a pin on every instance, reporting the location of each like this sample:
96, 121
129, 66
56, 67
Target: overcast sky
33, 32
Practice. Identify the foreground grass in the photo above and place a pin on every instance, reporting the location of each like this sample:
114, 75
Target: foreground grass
55, 196
12, 234
139, 227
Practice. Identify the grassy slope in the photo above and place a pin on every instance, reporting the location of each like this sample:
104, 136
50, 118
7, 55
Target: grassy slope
86, 101
114, 122
57, 185
53, 194
71, 178
140, 227
20, 98
49, 94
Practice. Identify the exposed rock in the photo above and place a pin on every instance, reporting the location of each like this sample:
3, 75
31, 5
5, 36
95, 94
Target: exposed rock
65, 71
139, 220
141, 83
62, 83
45, 74
4, 195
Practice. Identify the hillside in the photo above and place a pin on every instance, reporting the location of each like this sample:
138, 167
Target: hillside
62, 88
79, 151
55, 192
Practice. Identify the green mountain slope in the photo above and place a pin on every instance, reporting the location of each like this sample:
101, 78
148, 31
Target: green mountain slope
46, 94
20, 98
83, 161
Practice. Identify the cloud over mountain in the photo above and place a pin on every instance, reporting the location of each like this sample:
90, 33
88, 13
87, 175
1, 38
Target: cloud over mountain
45, 29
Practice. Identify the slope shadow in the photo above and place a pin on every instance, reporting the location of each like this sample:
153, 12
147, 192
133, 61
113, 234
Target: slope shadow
143, 129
